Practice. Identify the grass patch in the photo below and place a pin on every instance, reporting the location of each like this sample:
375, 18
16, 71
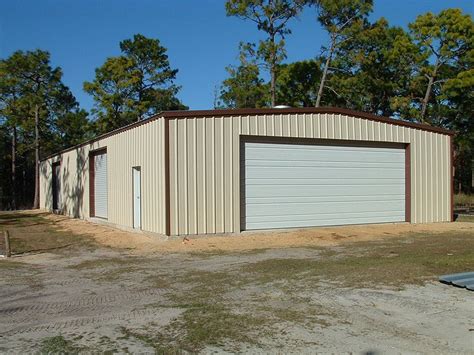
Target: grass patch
155, 340
463, 200
103, 263
6, 264
200, 325
33, 232
213, 314
13, 219
214, 324
395, 262
208, 318
17, 273
208, 254
58, 345
465, 218
110, 269
297, 311
157, 281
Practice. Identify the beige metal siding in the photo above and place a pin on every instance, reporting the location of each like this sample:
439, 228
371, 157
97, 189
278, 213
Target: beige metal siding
205, 164
141, 146
204, 168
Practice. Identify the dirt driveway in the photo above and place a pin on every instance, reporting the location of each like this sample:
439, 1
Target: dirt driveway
79, 287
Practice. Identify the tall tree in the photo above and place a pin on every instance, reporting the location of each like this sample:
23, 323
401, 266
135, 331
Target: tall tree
10, 96
244, 88
443, 39
73, 128
341, 19
271, 17
457, 97
5, 175
40, 98
298, 83
374, 68
138, 83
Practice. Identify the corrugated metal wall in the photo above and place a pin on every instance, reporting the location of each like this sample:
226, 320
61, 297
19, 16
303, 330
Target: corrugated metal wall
204, 168
141, 146
205, 164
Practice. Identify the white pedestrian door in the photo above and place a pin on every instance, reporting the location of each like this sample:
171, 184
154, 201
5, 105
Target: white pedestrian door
137, 209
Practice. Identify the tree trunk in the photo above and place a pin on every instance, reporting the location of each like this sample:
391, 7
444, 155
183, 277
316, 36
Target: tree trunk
325, 73
140, 114
13, 176
273, 84
37, 157
426, 99
24, 189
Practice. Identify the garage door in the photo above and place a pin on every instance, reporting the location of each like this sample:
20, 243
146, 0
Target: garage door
300, 185
100, 185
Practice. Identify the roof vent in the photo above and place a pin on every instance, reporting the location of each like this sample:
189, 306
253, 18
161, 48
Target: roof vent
281, 106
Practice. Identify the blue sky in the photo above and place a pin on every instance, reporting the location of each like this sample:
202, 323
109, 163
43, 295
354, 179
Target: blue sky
201, 40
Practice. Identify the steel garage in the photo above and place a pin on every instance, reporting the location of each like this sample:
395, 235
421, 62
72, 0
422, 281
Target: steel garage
225, 171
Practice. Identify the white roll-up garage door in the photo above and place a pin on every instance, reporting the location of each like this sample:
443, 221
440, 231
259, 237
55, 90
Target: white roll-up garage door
100, 185
301, 185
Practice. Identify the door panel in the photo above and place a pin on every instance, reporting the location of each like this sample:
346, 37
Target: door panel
100, 185
137, 209
56, 186
300, 185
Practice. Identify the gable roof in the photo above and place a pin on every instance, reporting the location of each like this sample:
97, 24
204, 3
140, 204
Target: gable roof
183, 114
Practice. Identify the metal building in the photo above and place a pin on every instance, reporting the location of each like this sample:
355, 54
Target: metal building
225, 171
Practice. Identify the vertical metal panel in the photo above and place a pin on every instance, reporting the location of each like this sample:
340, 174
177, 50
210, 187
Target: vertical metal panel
204, 168
235, 183
227, 172
218, 180
142, 146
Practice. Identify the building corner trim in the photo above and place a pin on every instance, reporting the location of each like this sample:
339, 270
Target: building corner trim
167, 179
408, 183
451, 175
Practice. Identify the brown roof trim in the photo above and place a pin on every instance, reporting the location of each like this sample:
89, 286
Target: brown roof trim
259, 111
293, 110
106, 135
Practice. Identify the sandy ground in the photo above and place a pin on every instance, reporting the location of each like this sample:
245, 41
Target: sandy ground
92, 311
136, 299
309, 237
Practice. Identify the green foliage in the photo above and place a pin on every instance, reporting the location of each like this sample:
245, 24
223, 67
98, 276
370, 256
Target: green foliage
339, 17
271, 17
443, 83
447, 35
463, 200
30, 87
28, 81
5, 159
73, 128
343, 20
244, 88
298, 83
58, 345
375, 68
424, 74
136, 84
446, 43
